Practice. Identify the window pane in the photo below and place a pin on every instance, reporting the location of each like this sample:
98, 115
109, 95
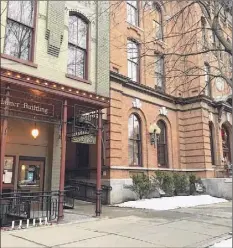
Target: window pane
27, 12
130, 127
17, 40
136, 153
133, 3
134, 145
130, 152
132, 12
71, 60
80, 63
129, 69
14, 10
21, 11
73, 30
82, 34
134, 72
162, 144
159, 70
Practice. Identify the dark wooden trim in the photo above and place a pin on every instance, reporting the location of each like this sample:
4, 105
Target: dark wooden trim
29, 158
78, 79
21, 61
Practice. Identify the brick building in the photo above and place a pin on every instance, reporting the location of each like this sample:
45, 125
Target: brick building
52, 91
195, 122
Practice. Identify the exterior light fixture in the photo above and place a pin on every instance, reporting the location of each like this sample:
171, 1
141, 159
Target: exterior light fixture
154, 132
35, 132
23, 167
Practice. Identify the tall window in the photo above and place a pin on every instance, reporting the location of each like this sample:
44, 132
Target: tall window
134, 145
162, 151
207, 80
159, 71
158, 23
77, 47
20, 29
211, 130
132, 12
133, 60
226, 144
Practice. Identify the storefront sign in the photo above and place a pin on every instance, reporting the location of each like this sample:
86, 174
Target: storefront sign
28, 106
84, 137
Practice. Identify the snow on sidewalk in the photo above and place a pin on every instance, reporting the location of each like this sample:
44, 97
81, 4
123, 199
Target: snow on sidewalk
223, 244
166, 203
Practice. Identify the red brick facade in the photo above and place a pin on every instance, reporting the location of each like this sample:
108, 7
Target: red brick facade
188, 115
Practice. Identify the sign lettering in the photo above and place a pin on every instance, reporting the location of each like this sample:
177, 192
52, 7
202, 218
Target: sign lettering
37, 108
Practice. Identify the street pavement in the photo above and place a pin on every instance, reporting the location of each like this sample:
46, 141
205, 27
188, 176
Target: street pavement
186, 227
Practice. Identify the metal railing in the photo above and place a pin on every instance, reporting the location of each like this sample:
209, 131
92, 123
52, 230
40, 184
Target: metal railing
86, 191
18, 205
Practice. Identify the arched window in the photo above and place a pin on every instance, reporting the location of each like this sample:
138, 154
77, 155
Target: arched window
158, 22
134, 145
226, 144
162, 151
77, 47
211, 130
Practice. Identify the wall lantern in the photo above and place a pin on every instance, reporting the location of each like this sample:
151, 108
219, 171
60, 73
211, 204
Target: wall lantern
154, 132
35, 132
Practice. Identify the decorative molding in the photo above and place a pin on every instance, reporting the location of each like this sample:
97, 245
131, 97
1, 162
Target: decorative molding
137, 103
163, 111
211, 117
228, 117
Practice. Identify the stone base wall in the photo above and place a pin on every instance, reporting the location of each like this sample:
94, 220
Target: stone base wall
219, 187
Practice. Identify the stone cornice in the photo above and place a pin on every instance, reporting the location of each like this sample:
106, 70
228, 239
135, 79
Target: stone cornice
126, 82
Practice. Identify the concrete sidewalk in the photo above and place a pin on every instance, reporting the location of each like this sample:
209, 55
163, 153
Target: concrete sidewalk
191, 227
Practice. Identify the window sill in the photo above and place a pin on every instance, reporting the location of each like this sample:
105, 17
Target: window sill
78, 79
135, 28
160, 43
160, 89
20, 61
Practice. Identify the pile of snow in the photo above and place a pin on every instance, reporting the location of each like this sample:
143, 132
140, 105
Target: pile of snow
166, 203
223, 244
